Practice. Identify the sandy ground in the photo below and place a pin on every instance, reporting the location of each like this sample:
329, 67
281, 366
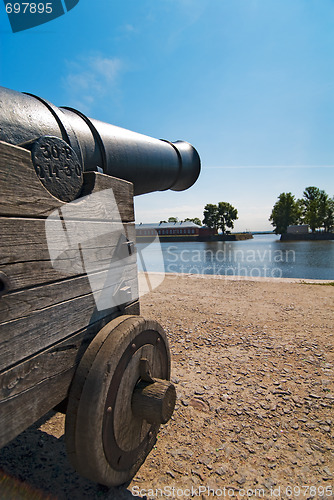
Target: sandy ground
252, 362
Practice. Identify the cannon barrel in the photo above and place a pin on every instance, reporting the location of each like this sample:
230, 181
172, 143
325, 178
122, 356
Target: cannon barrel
150, 164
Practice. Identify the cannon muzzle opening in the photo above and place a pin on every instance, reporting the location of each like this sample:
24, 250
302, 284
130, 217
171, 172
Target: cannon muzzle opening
150, 164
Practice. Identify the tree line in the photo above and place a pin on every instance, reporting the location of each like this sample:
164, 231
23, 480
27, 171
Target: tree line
316, 209
220, 216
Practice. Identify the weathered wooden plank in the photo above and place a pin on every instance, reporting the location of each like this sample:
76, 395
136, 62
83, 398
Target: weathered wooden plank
41, 328
86, 247
23, 194
19, 304
54, 360
19, 413
44, 328
25, 302
26, 240
23, 274
33, 387
102, 209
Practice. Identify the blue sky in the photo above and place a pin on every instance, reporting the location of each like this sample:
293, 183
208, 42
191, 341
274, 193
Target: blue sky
250, 83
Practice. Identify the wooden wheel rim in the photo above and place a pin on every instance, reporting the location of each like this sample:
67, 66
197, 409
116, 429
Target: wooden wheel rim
90, 426
118, 458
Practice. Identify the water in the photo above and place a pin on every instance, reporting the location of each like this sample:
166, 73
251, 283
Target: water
263, 256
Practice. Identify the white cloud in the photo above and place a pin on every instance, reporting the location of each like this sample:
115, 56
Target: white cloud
91, 78
108, 69
129, 28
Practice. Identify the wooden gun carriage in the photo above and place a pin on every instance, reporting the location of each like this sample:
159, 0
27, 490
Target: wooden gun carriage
71, 330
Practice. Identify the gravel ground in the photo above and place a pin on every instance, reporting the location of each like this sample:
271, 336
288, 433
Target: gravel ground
252, 362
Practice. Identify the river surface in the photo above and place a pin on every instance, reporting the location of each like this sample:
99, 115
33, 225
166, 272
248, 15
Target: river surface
263, 256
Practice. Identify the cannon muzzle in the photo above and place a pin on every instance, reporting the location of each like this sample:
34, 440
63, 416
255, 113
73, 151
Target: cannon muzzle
150, 164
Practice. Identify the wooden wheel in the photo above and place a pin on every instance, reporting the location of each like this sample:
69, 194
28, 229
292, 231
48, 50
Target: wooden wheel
119, 396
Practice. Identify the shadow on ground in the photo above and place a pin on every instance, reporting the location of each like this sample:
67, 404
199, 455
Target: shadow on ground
34, 466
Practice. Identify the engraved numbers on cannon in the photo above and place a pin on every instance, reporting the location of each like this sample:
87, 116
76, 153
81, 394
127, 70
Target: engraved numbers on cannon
58, 167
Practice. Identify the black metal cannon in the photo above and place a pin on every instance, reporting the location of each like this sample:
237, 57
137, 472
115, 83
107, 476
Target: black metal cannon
150, 164
71, 333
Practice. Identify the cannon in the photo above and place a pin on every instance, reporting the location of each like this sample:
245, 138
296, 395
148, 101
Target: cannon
72, 337
150, 164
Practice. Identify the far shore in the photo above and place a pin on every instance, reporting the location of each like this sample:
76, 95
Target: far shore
238, 278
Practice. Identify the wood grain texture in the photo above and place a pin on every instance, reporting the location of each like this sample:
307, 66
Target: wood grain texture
122, 191
22, 337
33, 387
28, 244
48, 313
25, 302
19, 413
154, 402
23, 194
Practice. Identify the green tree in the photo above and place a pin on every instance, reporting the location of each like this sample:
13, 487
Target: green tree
211, 216
315, 207
173, 219
195, 220
227, 215
286, 211
327, 214
220, 216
